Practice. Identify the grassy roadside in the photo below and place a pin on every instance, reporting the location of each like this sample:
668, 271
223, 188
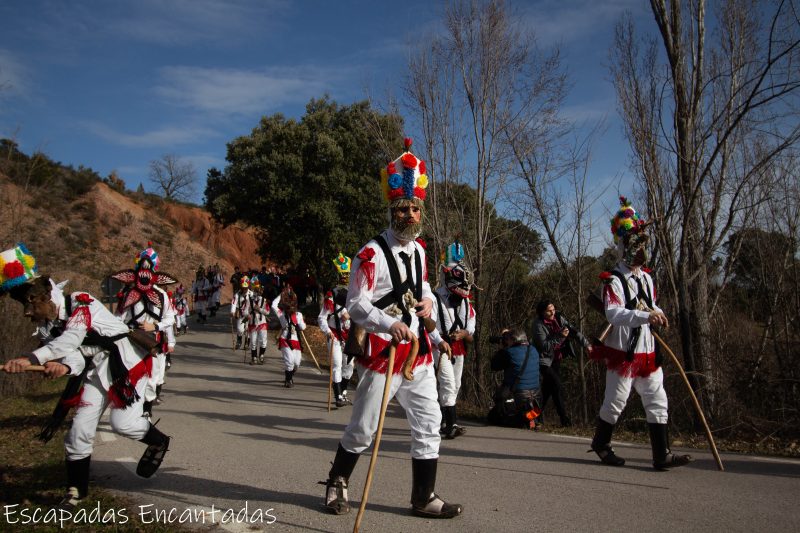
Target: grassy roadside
32, 474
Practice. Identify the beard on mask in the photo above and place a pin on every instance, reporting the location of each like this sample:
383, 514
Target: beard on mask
406, 231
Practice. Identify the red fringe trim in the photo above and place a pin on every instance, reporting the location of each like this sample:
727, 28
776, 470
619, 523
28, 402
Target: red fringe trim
339, 335
610, 296
459, 348
75, 401
81, 317
293, 344
366, 274
142, 368
643, 364
379, 363
329, 305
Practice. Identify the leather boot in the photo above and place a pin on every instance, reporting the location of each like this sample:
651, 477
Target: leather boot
601, 444
261, 352
424, 501
78, 476
336, 486
253, 358
157, 447
663, 459
238, 341
338, 389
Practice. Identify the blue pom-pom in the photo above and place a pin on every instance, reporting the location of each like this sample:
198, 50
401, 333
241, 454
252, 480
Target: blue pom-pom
395, 181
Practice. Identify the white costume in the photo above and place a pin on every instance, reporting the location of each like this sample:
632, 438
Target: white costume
289, 342
334, 322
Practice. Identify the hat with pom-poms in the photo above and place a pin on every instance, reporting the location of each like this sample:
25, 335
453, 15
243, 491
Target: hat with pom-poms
17, 266
626, 221
404, 178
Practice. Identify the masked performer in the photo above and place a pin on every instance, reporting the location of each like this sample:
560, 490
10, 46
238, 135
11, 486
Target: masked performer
257, 316
455, 321
629, 351
181, 310
200, 290
292, 323
81, 338
388, 297
146, 306
334, 322
240, 309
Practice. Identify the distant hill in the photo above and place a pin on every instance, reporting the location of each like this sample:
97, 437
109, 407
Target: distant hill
86, 234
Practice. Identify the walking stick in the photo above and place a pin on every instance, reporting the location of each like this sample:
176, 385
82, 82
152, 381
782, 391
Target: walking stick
310, 351
330, 367
30, 368
384, 404
694, 400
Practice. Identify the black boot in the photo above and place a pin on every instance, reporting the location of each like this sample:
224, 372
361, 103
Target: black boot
147, 409
287, 377
157, 447
261, 352
663, 459
253, 359
337, 390
77, 482
336, 486
424, 501
601, 444
157, 401
238, 342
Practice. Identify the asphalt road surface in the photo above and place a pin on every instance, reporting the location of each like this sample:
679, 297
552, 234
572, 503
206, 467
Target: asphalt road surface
247, 453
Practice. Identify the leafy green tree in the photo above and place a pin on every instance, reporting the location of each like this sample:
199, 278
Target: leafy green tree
312, 186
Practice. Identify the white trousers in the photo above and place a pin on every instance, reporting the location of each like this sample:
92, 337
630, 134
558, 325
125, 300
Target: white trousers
258, 338
180, 320
127, 422
341, 370
650, 389
291, 358
449, 377
156, 376
417, 398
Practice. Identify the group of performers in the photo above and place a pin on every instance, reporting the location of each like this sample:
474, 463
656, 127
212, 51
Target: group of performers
386, 304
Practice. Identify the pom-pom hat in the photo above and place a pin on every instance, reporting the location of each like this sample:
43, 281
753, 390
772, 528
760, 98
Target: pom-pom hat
17, 266
626, 221
404, 178
342, 264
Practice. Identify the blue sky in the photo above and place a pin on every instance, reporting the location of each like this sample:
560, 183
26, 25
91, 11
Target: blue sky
113, 85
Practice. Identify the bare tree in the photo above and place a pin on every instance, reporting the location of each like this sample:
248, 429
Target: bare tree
705, 128
174, 178
472, 88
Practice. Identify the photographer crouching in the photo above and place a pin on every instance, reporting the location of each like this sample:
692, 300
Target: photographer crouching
518, 397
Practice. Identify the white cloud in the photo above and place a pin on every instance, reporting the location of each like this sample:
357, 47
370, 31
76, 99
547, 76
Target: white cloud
554, 21
14, 77
244, 91
163, 137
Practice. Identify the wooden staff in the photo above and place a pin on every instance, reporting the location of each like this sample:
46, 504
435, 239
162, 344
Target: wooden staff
310, 350
330, 367
677, 363
384, 404
30, 368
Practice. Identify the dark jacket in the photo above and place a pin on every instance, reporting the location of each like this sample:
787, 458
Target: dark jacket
510, 360
546, 341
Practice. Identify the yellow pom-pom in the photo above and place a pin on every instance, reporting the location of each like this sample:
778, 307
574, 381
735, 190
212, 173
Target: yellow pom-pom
385, 183
28, 261
384, 174
422, 181
627, 223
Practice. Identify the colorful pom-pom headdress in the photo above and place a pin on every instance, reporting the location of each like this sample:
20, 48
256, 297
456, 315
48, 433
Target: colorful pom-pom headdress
630, 234
342, 264
404, 178
626, 221
17, 266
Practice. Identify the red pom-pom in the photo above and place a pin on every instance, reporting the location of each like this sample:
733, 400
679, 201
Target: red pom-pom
422, 243
419, 192
391, 168
421, 166
409, 161
366, 254
605, 275
13, 270
149, 244
83, 298
394, 194
407, 142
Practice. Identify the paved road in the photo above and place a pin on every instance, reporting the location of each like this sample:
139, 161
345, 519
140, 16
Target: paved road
241, 441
